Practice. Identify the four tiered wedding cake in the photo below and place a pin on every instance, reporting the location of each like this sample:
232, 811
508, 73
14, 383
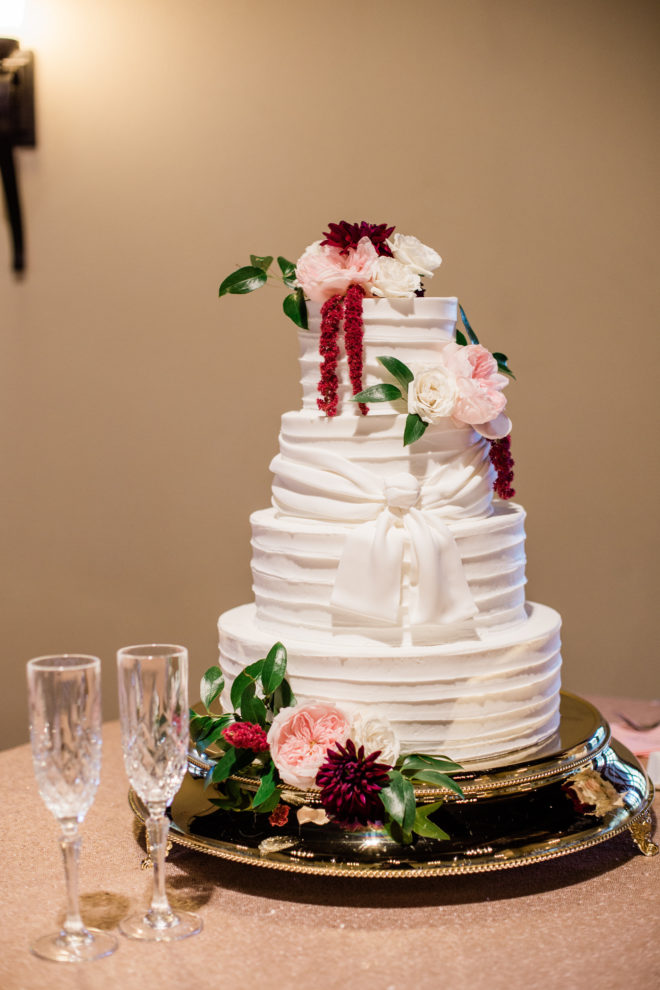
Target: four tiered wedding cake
394, 578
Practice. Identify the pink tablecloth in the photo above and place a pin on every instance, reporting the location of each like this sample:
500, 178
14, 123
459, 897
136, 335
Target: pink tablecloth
587, 919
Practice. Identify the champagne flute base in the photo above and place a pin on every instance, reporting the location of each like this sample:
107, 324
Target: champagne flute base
94, 944
139, 926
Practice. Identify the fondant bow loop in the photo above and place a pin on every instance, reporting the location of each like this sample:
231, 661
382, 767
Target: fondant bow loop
402, 491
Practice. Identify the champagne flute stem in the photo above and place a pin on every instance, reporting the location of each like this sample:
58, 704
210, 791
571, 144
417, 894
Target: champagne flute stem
158, 825
73, 927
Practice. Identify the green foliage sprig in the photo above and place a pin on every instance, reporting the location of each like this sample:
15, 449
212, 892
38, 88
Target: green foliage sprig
256, 274
257, 695
415, 425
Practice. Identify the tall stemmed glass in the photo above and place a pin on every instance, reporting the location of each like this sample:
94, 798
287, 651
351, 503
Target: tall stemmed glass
64, 695
153, 705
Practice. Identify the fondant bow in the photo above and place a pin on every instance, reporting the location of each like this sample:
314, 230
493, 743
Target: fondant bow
389, 516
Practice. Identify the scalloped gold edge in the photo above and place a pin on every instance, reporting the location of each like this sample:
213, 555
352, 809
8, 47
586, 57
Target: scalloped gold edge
409, 871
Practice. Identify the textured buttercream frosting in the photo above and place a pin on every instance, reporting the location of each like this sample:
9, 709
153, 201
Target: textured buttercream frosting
391, 575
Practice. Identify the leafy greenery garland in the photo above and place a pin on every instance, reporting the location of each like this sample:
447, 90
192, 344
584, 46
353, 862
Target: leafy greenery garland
385, 392
257, 694
254, 275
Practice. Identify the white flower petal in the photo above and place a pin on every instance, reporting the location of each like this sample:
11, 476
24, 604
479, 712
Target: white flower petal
497, 429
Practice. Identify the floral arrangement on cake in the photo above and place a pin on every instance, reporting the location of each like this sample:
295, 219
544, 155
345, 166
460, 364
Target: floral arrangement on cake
357, 260
284, 748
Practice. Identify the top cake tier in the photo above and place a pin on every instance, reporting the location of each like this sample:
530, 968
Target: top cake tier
412, 330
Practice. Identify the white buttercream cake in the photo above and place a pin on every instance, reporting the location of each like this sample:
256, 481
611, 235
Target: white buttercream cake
391, 574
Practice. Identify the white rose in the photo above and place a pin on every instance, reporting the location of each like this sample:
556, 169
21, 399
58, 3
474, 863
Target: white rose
411, 252
394, 280
375, 733
432, 394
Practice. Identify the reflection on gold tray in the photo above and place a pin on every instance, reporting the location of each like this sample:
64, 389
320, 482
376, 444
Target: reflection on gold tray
509, 816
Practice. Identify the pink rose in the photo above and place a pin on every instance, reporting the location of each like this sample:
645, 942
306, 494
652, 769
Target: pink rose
479, 385
299, 738
323, 271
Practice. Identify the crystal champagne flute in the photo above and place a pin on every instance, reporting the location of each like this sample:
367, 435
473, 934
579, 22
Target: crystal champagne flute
64, 695
153, 706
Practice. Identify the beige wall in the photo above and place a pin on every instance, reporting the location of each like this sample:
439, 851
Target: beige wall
139, 412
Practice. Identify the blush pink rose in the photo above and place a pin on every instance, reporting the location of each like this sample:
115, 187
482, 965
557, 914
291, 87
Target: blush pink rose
323, 271
479, 384
299, 738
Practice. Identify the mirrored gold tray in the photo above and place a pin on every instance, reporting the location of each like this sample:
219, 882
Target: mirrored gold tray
512, 815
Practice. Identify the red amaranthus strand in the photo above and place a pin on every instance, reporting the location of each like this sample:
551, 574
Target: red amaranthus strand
502, 461
353, 334
331, 316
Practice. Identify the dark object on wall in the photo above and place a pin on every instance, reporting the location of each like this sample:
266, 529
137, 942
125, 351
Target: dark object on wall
16, 130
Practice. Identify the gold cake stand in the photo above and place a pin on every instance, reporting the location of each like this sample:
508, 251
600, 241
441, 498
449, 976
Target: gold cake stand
580, 788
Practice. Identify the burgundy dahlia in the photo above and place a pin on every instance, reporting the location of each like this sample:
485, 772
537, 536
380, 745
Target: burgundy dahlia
345, 235
246, 735
502, 461
350, 783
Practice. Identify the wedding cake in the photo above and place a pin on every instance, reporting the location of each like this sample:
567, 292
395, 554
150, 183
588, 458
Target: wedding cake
391, 562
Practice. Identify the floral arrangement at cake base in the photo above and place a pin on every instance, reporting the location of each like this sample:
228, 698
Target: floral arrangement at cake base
281, 759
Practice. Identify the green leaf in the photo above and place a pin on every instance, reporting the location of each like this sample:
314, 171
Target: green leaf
466, 323
422, 825
258, 262
252, 708
461, 338
288, 270
246, 677
295, 307
223, 768
271, 803
378, 393
438, 779
282, 697
502, 364
415, 428
200, 724
231, 797
395, 831
266, 787
274, 668
398, 799
416, 761
398, 370
243, 280
215, 732
211, 686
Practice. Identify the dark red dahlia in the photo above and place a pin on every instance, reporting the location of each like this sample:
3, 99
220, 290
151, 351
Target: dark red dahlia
246, 735
345, 235
502, 461
279, 816
350, 783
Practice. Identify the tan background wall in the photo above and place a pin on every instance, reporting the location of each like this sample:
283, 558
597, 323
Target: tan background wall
139, 413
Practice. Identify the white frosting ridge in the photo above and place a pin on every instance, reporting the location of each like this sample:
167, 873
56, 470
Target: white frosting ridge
473, 698
412, 330
455, 460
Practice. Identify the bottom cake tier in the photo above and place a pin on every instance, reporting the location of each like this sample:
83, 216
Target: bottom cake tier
480, 699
